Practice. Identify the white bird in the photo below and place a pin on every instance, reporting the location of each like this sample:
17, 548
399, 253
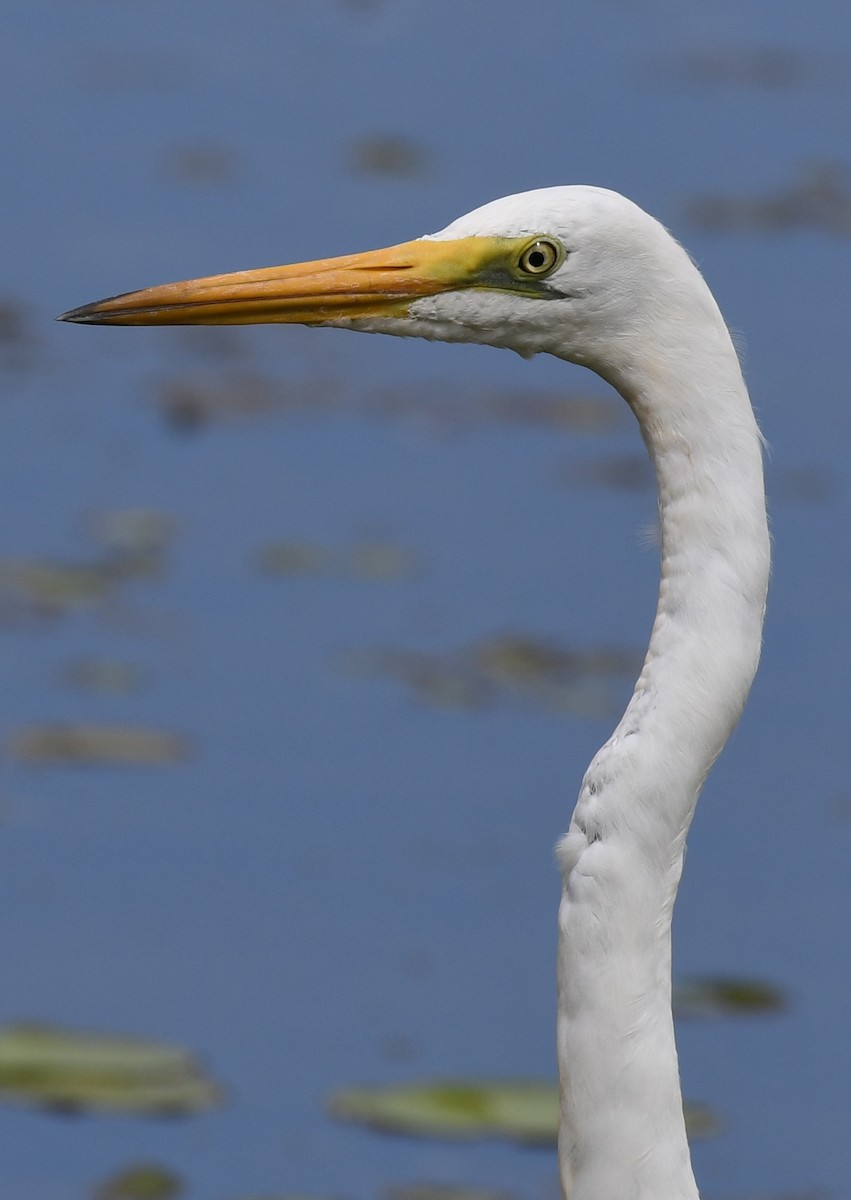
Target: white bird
584, 274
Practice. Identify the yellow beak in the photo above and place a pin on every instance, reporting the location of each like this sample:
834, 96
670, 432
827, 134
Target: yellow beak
378, 283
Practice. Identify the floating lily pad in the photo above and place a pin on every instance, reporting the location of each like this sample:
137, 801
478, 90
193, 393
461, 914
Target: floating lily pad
727, 998
773, 68
626, 472
133, 70
440, 1191
819, 199
52, 588
578, 681
201, 162
142, 1181
810, 485
381, 562
134, 542
522, 1110
192, 401
449, 411
134, 531
102, 675
294, 558
285, 1196
111, 745
389, 155
50, 1067
16, 338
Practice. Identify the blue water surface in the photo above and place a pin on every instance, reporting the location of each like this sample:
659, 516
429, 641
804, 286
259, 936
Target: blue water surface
344, 884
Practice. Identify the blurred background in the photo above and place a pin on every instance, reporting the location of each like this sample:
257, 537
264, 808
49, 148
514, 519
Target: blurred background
307, 638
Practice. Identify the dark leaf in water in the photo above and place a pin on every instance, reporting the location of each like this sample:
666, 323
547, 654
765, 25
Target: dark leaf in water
192, 402
141, 1181
135, 541
52, 588
16, 337
390, 155
68, 1071
380, 562
808, 485
201, 163
575, 681
449, 410
819, 199
102, 675
627, 472
294, 558
809, 1194
516, 658
136, 70
286, 1196
440, 1191
722, 997
219, 343
774, 68
523, 1110
92, 745
134, 532
435, 679
13, 326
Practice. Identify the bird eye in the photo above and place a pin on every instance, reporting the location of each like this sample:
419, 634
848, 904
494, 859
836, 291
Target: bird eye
540, 257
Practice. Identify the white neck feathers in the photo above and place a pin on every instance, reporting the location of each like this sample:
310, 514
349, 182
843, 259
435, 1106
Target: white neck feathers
623, 1136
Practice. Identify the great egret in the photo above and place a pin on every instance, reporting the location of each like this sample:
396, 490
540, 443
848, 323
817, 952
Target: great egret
586, 275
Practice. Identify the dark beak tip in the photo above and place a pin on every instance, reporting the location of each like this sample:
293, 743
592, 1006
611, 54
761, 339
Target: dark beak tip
99, 312
79, 316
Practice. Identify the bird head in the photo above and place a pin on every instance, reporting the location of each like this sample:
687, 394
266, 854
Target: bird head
564, 270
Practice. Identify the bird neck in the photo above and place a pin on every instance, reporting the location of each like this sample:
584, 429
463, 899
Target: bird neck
622, 1133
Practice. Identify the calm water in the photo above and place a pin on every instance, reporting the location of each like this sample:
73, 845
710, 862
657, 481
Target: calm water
345, 883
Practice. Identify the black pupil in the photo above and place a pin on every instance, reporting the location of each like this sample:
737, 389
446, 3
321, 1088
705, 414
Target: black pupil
537, 259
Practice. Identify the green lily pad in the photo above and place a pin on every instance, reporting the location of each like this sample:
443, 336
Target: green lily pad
727, 997
134, 531
111, 745
53, 588
388, 154
578, 681
441, 1191
142, 1181
819, 198
521, 1110
294, 558
380, 562
47, 1066
103, 675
